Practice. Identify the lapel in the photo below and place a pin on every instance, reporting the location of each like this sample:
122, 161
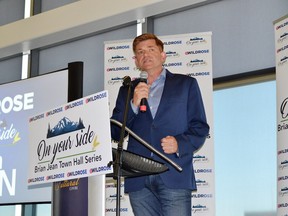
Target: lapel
166, 92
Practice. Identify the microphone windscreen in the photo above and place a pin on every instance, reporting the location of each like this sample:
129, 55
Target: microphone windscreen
143, 75
126, 81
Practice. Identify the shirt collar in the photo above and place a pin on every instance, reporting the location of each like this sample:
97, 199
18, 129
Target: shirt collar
162, 75
160, 79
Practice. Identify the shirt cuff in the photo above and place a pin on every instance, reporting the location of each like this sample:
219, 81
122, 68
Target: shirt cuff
134, 108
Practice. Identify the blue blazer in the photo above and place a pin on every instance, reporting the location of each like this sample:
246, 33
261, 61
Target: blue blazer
180, 114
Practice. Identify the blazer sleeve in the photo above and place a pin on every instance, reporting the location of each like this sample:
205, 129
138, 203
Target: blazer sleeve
197, 127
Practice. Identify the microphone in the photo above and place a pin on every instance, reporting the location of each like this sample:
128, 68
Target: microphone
143, 78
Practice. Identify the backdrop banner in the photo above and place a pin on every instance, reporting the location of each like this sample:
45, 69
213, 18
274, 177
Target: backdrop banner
189, 54
281, 46
70, 198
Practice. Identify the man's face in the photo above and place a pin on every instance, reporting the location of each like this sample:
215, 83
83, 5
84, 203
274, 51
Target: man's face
148, 56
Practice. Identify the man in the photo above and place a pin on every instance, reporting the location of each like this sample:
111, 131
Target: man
174, 123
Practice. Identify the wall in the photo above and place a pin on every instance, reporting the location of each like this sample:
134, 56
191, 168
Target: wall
243, 33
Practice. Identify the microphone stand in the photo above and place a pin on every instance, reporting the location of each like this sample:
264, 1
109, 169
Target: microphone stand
118, 159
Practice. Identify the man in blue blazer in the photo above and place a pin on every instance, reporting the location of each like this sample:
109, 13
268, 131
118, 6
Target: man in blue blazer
174, 124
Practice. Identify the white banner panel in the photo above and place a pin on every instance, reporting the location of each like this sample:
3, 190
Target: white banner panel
189, 54
70, 141
281, 45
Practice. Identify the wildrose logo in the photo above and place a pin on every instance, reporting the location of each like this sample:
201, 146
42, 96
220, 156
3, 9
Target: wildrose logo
17, 103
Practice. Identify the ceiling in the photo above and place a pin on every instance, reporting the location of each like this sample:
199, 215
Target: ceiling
68, 22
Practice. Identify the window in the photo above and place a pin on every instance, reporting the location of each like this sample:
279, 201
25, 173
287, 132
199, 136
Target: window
245, 150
